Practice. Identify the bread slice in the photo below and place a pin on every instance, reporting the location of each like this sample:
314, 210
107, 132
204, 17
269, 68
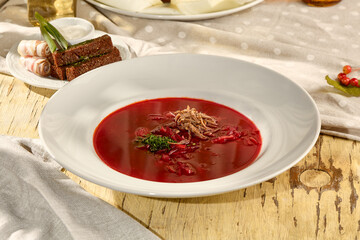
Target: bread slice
81, 51
72, 71
58, 72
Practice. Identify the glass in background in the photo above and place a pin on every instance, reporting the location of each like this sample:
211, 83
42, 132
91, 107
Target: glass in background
321, 3
50, 9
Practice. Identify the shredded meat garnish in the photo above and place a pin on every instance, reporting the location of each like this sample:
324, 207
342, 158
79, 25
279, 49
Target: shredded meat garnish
195, 122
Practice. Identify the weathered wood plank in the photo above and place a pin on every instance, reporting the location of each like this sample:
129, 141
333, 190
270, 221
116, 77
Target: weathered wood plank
21, 106
316, 199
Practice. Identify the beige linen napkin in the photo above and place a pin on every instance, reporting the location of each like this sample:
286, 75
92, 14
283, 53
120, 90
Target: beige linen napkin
37, 201
303, 43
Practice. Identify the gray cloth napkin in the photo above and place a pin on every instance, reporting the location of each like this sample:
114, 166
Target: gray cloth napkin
38, 201
301, 42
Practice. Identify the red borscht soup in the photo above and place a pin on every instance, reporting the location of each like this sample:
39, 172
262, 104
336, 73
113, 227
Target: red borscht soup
177, 140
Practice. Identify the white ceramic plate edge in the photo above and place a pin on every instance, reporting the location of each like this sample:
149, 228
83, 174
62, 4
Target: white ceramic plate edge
196, 17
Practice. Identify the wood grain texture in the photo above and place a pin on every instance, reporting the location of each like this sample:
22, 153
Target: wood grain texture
315, 199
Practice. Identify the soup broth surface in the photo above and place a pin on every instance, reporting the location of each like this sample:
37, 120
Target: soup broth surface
114, 142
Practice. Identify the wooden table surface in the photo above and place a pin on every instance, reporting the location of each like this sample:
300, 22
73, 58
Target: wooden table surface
315, 199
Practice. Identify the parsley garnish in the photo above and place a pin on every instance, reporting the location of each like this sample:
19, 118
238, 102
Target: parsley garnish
156, 142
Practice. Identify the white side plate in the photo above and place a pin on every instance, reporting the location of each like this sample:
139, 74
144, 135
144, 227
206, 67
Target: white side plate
286, 115
19, 71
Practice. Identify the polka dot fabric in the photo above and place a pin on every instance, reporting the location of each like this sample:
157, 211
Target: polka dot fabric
302, 42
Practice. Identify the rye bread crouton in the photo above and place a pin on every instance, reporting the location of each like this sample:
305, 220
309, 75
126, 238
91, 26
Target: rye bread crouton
77, 69
79, 52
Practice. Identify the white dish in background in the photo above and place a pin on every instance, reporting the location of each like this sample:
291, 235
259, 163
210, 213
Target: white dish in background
19, 71
75, 30
286, 115
172, 15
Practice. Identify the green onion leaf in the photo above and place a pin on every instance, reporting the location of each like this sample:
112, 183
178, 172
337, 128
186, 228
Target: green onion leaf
45, 26
351, 90
40, 18
50, 42
57, 35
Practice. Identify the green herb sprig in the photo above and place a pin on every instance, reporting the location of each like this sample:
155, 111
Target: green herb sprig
48, 30
157, 143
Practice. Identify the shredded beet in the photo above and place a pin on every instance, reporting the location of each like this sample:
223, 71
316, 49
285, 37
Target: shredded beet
156, 117
186, 129
142, 132
231, 134
224, 139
